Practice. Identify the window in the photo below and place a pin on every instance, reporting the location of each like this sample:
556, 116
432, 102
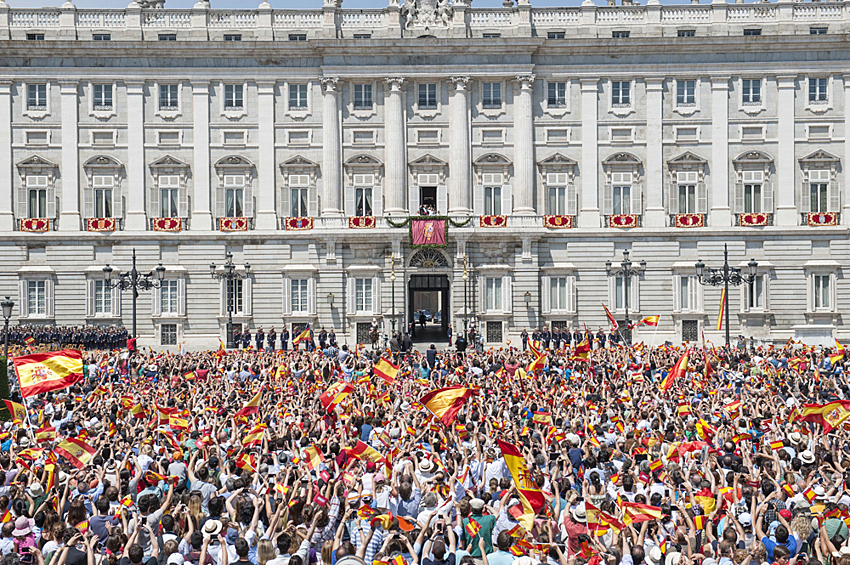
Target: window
168, 297
35, 37
754, 294
621, 186
427, 96
621, 94
817, 90
168, 37
101, 37
168, 334
491, 136
362, 96
557, 200
752, 31
103, 138
362, 36
37, 97
298, 186
363, 200
492, 94
169, 189
622, 299
493, 200
686, 92
363, 295
819, 191
233, 37
428, 136
493, 294
40, 137
688, 294
297, 37
233, 97
102, 186
363, 137
751, 133
37, 195
818, 132
753, 183
821, 288
751, 91
169, 138
297, 96
690, 330
168, 97
234, 196
686, 134
686, 33
298, 295
491, 35
687, 182
620, 34
102, 94
37, 298
102, 298
557, 95
558, 288
556, 35
817, 31
235, 303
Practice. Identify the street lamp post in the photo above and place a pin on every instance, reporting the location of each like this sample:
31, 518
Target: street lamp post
392, 281
465, 307
725, 276
135, 281
6, 305
627, 273
229, 274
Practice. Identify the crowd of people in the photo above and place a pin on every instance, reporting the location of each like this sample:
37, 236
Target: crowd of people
269, 457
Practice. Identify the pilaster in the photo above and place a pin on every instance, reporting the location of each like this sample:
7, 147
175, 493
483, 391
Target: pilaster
395, 159
69, 216
721, 213
331, 150
589, 210
200, 21
136, 218
845, 212
7, 219
654, 153
265, 15
786, 209
202, 219
524, 148
266, 173
459, 142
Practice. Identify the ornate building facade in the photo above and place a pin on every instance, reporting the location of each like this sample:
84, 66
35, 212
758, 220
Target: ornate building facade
551, 140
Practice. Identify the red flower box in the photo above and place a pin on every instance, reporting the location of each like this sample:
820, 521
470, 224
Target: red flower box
233, 224
100, 224
35, 224
297, 224
492, 221
167, 224
754, 219
816, 219
623, 221
558, 222
362, 222
690, 221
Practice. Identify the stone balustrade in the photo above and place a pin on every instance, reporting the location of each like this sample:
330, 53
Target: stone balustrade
588, 20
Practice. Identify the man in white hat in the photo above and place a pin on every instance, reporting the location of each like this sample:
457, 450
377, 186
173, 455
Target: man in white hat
575, 524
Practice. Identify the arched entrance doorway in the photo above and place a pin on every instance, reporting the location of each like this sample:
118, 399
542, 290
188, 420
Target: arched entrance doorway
429, 295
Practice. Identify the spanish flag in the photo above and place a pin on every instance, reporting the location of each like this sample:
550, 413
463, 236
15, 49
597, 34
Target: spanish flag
649, 321
581, 352
634, 513
839, 354
178, 423
611, 318
335, 394
445, 403
306, 334
386, 370
16, 411
247, 461
680, 369
138, 411
77, 452
472, 527
366, 453
542, 418
313, 457
530, 496
722, 308
252, 407
829, 415
45, 434
255, 436
43, 372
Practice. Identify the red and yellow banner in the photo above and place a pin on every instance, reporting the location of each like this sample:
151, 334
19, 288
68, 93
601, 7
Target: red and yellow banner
335, 394
720, 312
386, 370
76, 451
43, 372
530, 496
445, 403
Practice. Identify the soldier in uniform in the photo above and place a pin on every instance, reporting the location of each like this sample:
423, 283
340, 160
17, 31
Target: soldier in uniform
524, 337
271, 338
332, 338
556, 338
237, 337
323, 338
535, 337
246, 338
577, 337
260, 338
546, 337
600, 336
284, 338
614, 338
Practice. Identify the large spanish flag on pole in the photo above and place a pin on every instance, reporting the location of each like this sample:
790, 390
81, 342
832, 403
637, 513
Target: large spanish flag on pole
386, 370
829, 415
76, 451
252, 407
445, 403
722, 308
43, 372
335, 394
530, 496
635, 513
680, 369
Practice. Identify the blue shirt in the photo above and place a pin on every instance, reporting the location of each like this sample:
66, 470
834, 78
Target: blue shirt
365, 431
500, 558
770, 545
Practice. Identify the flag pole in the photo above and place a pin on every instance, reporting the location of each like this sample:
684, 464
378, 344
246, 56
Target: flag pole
653, 337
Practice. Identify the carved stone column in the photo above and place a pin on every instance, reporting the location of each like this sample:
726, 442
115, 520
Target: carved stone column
266, 197
786, 208
331, 150
524, 149
720, 215
395, 159
69, 216
459, 162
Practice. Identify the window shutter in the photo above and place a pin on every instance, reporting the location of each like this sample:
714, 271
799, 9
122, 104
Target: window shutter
248, 194
767, 197
89, 298
88, 202
478, 200
312, 202
694, 290
51, 201
607, 199
48, 297
672, 198
612, 292
507, 199
507, 295
702, 198
349, 201
832, 292
117, 203
181, 296
116, 302
183, 200
22, 202
637, 198
153, 204
677, 293
283, 204
413, 199
634, 305
482, 295
378, 200
766, 290
834, 197
311, 296
223, 299
351, 306
247, 295
572, 200
287, 296
376, 295
219, 200
156, 302
738, 199
571, 293
804, 202
545, 298
442, 199
23, 310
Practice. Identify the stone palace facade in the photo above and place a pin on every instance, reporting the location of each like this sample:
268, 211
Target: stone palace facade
552, 139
